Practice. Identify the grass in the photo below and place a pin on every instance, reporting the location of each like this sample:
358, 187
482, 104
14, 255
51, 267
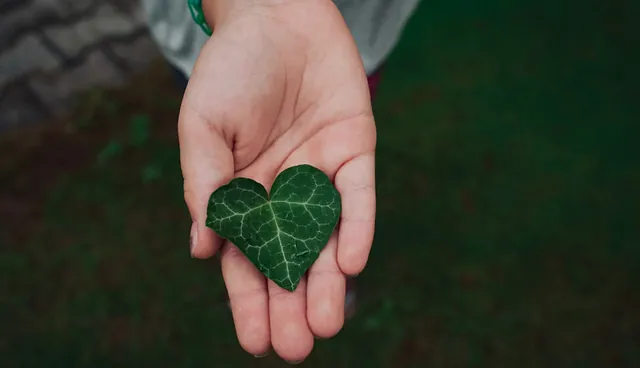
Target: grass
507, 228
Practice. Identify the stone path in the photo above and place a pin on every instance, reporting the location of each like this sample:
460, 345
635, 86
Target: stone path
53, 49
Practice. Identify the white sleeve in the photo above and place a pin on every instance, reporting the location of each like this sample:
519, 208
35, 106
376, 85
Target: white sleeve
376, 26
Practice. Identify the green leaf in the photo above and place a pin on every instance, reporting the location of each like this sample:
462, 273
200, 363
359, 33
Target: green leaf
281, 235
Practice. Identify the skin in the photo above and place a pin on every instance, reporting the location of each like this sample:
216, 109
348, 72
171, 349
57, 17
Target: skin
280, 83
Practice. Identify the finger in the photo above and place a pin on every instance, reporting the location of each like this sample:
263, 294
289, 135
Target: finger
248, 299
326, 293
356, 183
207, 163
291, 337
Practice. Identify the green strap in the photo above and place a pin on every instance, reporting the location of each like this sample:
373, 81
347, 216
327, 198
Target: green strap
195, 7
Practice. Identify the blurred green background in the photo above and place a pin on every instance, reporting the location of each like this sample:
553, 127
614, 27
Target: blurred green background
508, 226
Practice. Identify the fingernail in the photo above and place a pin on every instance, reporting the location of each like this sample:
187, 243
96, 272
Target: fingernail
295, 362
193, 238
261, 355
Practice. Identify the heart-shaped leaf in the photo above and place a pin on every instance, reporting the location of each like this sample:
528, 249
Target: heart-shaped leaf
281, 234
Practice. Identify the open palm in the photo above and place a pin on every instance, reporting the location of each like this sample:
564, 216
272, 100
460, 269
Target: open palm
274, 87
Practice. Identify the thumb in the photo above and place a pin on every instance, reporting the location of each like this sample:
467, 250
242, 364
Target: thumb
207, 163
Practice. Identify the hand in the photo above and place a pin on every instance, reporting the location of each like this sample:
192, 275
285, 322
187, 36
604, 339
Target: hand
281, 83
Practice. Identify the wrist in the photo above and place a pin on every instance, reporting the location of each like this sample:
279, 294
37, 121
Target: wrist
216, 11
219, 11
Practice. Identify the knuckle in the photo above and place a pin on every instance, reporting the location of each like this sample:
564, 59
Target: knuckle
358, 218
251, 296
281, 295
332, 270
